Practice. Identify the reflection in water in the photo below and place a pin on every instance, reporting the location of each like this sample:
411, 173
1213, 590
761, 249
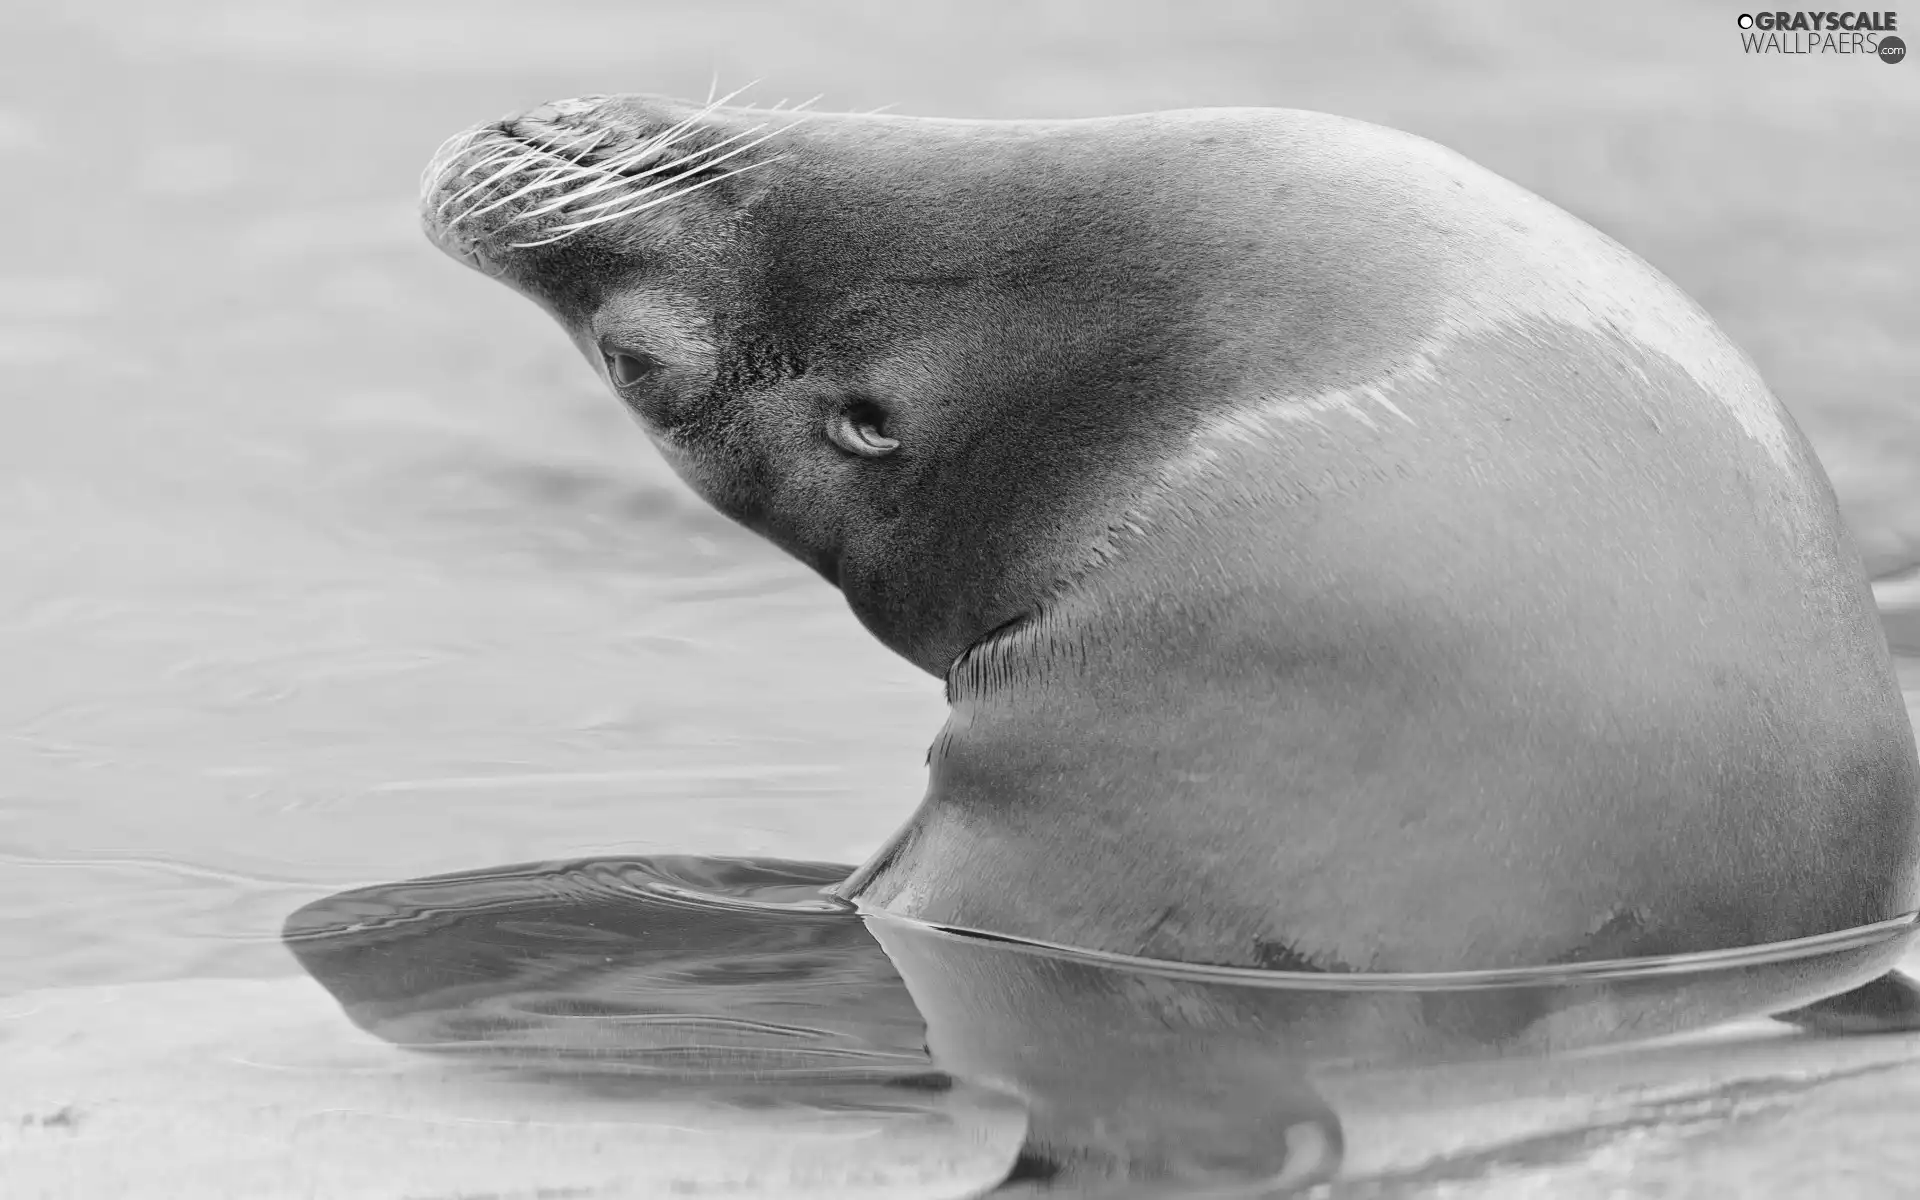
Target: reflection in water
739, 979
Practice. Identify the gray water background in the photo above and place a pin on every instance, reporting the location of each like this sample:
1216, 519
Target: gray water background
323, 561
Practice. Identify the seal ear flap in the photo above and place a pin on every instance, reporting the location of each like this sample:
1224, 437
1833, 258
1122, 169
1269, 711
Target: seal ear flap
859, 427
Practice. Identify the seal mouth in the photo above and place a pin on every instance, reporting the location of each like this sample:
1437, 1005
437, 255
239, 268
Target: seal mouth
569, 167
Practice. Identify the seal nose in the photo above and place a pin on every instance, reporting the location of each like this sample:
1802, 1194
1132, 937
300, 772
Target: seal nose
551, 111
538, 114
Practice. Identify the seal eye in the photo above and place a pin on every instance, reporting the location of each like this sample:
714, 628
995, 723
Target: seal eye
628, 369
856, 429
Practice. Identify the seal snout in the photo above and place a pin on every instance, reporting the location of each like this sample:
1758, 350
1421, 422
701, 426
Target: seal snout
538, 115
555, 117
564, 168
555, 110
526, 179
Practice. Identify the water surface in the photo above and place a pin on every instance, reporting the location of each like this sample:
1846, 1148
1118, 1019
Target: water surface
328, 564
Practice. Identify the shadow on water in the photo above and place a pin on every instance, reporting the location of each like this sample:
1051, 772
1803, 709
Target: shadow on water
743, 981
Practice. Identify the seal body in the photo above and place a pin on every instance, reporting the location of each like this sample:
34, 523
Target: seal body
1338, 557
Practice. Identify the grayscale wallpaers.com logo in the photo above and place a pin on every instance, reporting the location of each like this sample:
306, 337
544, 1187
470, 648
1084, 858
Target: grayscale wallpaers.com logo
1823, 33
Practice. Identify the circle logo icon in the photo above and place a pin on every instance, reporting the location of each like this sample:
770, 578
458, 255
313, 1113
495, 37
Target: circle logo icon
1892, 50
1746, 21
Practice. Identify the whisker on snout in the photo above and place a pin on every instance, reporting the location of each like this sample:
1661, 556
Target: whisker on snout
616, 180
568, 231
580, 172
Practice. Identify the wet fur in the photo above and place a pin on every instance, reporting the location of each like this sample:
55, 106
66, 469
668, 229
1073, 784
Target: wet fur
1337, 556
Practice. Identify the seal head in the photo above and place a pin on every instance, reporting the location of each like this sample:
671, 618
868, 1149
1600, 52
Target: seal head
930, 359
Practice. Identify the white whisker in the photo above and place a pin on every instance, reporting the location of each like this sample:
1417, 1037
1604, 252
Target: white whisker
521, 153
445, 155
642, 198
550, 162
442, 171
671, 136
565, 188
516, 157
567, 231
477, 162
677, 166
618, 164
505, 150
628, 201
553, 174
613, 179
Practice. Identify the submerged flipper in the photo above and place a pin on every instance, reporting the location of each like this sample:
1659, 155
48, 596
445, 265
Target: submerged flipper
1889, 1004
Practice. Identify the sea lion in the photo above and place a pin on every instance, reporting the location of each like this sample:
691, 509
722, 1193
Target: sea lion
1338, 557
